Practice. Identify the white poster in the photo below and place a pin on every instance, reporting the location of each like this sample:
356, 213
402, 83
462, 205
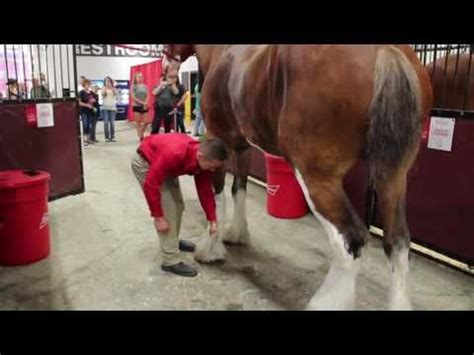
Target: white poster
45, 115
441, 133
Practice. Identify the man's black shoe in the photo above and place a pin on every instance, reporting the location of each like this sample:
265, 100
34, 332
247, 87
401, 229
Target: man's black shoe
186, 245
180, 269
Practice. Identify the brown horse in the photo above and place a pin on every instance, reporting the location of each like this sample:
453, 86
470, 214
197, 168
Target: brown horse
322, 107
451, 76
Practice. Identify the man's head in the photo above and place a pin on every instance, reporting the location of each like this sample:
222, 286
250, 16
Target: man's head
212, 154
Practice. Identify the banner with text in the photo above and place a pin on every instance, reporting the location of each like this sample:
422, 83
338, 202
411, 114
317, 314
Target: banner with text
109, 50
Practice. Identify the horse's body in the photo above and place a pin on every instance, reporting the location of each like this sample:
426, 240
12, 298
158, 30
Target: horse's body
453, 88
322, 107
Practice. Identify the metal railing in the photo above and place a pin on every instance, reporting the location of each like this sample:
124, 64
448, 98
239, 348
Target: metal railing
450, 67
37, 72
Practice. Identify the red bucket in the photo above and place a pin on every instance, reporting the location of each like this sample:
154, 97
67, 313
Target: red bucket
285, 199
24, 229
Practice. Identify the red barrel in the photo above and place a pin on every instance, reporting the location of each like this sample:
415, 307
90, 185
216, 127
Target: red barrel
24, 228
285, 198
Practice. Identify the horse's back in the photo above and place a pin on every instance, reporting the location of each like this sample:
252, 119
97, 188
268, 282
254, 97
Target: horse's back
267, 86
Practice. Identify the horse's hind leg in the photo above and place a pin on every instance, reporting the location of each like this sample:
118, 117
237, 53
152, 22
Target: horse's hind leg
346, 233
391, 191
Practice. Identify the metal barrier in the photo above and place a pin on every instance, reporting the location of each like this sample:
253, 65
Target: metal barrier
37, 72
450, 67
33, 74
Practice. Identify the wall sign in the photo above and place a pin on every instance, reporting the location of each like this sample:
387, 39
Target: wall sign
45, 115
441, 133
39, 115
107, 50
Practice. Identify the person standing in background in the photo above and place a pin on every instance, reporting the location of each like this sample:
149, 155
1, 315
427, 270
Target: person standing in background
139, 95
86, 110
44, 84
109, 109
94, 101
199, 122
13, 90
179, 107
39, 90
165, 95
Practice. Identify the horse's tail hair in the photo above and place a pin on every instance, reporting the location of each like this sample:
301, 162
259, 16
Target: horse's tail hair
394, 113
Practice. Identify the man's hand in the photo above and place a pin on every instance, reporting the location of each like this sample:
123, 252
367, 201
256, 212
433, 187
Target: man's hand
213, 229
162, 225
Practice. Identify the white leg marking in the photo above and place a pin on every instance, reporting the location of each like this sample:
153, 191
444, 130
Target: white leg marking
221, 208
338, 288
238, 232
398, 294
211, 249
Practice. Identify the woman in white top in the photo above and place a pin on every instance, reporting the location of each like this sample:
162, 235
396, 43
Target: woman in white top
109, 108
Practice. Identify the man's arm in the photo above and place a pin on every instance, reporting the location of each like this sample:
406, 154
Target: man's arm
205, 190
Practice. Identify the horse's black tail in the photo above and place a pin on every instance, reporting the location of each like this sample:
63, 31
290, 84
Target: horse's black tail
394, 113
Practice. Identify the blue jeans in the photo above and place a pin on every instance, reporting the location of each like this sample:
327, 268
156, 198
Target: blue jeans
199, 124
89, 122
109, 123
86, 125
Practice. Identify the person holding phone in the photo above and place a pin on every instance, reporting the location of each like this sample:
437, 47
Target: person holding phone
165, 94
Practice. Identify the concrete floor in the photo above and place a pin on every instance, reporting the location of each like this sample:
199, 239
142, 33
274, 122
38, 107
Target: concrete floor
105, 255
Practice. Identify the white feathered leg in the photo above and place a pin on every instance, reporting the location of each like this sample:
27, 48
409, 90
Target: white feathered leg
337, 291
398, 294
238, 232
211, 248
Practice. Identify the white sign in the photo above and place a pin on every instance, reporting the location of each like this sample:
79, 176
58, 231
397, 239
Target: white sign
441, 133
45, 115
130, 50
